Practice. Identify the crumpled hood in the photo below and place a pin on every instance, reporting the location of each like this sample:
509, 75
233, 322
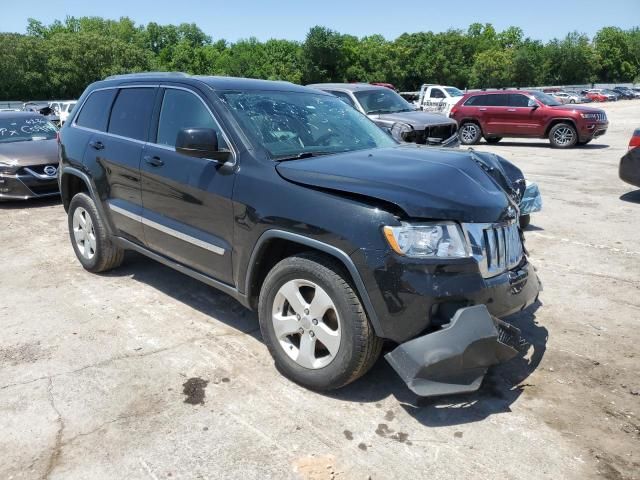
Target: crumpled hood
34, 152
418, 120
425, 183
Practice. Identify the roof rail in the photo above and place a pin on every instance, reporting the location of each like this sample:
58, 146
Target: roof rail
146, 74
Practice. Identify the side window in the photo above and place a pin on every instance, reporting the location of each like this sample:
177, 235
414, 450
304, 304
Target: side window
182, 109
518, 100
95, 111
476, 101
497, 100
131, 113
437, 93
344, 97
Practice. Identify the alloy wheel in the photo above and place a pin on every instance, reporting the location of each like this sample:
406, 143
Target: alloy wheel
84, 233
469, 132
306, 323
563, 136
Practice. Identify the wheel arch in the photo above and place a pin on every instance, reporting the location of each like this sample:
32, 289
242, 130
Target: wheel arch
556, 121
73, 181
275, 245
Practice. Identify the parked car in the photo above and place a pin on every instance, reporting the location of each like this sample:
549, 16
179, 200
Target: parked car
567, 97
28, 156
629, 170
43, 109
438, 98
393, 113
624, 92
595, 96
613, 96
519, 113
62, 108
302, 208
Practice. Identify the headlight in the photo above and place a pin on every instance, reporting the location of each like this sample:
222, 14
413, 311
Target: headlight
592, 116
427, 240
403, 132
8, 169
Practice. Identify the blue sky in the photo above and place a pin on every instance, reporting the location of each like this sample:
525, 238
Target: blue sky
290, 19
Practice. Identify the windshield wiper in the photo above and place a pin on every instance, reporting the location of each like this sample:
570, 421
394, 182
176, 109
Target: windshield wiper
302, 155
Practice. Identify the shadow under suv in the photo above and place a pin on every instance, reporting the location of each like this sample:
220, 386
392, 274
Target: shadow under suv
518, 113
302, 208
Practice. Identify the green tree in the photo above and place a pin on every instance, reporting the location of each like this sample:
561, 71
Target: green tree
614, 47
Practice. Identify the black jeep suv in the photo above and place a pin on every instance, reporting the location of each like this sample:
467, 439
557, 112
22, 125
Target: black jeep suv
300, 207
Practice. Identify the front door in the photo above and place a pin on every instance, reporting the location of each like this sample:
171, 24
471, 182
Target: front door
522, 120
187, 207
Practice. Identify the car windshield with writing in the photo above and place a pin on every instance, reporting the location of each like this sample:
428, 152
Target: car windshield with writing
381, 101
24, 129
546, 99
297, 125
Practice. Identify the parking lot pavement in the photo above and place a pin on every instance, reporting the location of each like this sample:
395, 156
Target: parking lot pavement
146, 373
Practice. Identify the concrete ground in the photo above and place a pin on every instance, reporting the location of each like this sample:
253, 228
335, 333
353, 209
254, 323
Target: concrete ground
144, 373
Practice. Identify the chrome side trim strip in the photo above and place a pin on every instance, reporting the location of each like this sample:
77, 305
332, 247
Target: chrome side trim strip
169, 231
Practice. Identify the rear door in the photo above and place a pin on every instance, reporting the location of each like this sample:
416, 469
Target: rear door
118, 151
188, 212
495, 114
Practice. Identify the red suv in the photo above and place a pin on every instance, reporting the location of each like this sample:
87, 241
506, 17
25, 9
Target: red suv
518, 113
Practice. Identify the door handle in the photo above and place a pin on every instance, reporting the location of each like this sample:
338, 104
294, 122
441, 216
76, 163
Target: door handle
511, 109
98, 145
154, 161
483, 109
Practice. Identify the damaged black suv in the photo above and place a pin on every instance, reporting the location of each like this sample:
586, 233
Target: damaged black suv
302, 208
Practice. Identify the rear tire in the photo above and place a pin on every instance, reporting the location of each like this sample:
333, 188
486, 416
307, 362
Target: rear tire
469, 133
89, 236
563, 135
493, 140
315, 282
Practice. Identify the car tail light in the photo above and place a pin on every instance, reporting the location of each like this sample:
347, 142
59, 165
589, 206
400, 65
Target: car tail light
453, 111
635, 140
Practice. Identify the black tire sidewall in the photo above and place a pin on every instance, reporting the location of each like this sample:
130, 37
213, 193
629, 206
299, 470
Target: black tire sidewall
339, 371
525, 220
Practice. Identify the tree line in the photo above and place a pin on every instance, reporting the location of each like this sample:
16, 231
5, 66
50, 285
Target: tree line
60, 59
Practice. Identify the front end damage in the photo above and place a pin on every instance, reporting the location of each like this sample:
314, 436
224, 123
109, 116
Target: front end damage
456, 358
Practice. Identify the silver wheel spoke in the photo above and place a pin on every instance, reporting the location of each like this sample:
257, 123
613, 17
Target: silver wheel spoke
320, 304
92, 241
327, 337
284, 326
78, 234
291, 292
307, 351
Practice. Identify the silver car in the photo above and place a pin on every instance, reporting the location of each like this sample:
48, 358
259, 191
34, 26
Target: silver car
394, 114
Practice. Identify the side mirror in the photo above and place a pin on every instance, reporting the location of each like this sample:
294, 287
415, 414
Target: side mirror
200, 143
533, 104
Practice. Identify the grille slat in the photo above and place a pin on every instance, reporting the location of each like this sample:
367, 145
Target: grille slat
503, 248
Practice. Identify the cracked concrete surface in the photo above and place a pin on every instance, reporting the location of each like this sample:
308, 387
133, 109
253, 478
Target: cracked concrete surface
93, 367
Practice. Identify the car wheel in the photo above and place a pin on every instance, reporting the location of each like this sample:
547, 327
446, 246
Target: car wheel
563, 135
314, 325
493, 139
572, 101
525, 220
89, 237
469, 133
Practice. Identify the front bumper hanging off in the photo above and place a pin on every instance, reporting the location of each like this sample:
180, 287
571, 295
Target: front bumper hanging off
456, 358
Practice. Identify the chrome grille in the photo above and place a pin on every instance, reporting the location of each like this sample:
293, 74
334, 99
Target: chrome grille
497, 248
601, 117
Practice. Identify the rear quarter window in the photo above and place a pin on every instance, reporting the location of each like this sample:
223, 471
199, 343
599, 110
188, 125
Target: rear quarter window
475, 101
95, 111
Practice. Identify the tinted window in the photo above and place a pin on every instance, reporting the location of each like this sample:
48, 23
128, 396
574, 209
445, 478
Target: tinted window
181, 109
95, 111
131, 113
344, 97
475, 101
497, 100
518, 100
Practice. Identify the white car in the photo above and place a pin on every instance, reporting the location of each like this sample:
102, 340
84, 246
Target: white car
63, 108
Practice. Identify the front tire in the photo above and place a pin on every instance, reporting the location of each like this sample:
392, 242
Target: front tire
91, 241
563, 135
469, 133
314, 325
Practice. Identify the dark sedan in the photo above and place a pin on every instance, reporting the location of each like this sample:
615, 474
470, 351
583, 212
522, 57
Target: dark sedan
630, 163
28, 156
